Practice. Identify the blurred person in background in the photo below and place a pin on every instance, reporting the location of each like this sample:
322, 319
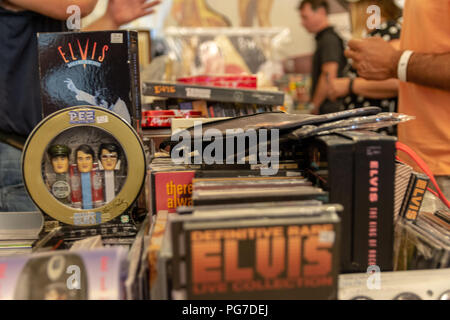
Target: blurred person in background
357, 92
329, 60
20, 100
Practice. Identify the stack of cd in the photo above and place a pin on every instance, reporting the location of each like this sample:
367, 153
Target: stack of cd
235, 234
223, 191
250, 251
423, 243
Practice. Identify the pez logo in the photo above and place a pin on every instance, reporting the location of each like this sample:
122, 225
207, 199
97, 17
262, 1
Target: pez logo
82, 116
74, 281
73, 116
74, 21
374, 21
374, 279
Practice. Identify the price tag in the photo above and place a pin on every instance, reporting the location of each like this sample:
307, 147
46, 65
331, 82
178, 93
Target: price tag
116, 37
102, 119
327, 236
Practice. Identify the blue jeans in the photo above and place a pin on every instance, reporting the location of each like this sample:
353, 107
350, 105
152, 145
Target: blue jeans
13, 196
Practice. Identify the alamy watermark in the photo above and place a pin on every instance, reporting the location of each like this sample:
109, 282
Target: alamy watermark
374, 279
374, 21
73, 22
74, 281
241, 147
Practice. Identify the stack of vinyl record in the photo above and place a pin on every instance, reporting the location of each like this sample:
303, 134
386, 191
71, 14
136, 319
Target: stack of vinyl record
19, 231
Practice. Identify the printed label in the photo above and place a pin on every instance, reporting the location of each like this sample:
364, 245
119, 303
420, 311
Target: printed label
262, 97
61, 189
173, 190
87, 218
116, 37
102, 119
198, 93
164, 89
238, 96
327, 236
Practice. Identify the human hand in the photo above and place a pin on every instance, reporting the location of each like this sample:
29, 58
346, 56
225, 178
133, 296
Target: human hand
125, 11
338, 88
373, 58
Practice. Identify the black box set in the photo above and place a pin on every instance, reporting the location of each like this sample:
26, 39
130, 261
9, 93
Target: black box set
358, 169
93, 69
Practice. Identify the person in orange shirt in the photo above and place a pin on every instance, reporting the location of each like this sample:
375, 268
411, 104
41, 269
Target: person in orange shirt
423, 66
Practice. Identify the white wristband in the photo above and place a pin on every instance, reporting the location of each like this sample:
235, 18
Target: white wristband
402, 69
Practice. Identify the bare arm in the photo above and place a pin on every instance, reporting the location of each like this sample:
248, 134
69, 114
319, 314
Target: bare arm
121, 12
55, 9
431, 70
372, 89
105, 22
376, 89
329, 70
375, 59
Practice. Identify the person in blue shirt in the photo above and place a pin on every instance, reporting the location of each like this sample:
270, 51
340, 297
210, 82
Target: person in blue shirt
20, 100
